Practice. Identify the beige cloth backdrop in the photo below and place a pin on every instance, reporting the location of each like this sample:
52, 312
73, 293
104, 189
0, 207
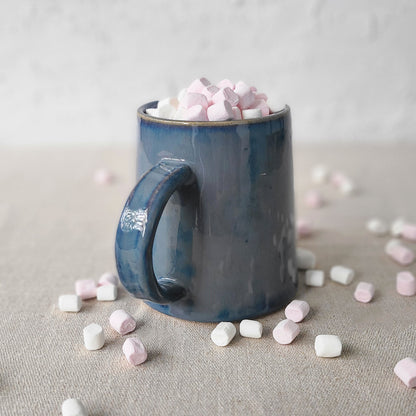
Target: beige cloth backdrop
57, 225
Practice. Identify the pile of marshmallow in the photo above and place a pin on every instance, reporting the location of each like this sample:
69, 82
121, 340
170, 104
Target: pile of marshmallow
203, 101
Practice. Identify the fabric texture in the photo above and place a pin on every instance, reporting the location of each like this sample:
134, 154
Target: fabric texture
57, 225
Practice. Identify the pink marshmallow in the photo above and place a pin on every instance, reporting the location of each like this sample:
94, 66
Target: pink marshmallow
192, 98
108, 278
261, 96
338, 178
313, 199
304, 228
409, 232
196, 113
262, 105
401, 254
406, 284
237, 113
245, 94
285, 331
226, 83
134, 351
209, 92
364, 292
122, 322
86, 289
220, 111
198, 85
103, 176
226, 94
297, 310
406, 370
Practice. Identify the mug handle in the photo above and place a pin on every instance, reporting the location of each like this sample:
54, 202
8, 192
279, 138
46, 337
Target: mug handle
137, 228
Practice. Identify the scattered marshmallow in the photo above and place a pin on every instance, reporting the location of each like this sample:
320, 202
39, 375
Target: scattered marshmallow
103, 176
122, 322
405, 369
220, 111
251, 113
396, 227
337, 178
314, 278
364, 292
86, 289
73, 407
304, 228
107, 292
108, 278
409, 232
348, 187
314, 199
297, 310
69, 303
328, 346
93, 337
406, 283
223, 334
342, 274
400, 253
320, 174
134, 351
251, 329
377, 227
305, 259
286, 331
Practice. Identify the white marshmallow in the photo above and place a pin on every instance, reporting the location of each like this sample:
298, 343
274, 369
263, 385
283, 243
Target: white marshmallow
341, 274
320, 174
251, 113
397, 227
251, 329
305, 259
328, 346
107, 292
167, 108
154, 112
69, 303
376, 227
180, 114
314, 278
73, 407
182, 93
391, 244
223, 333
93, 336
347, 187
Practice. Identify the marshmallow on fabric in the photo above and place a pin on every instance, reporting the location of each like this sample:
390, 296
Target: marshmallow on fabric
305, 259
297, 310
69, 303
397, 227
364, 292
220, 111
286, 331
86, 289
196, 113
73, 407
93, 337
314, 278
304, 228
103, 176
400, 253
226, 94
223, 333
377, 227
107, 292
406, 284
251, 329
342, 274
245, 94
198, 85
328, 346
193, 98
122, 322
313, 199
134, 351
409, 232
319, 174
406, 370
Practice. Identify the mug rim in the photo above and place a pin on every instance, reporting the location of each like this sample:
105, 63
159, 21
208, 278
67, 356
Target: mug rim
152, 104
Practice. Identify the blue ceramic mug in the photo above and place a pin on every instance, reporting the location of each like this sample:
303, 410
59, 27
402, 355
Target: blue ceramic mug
208, 232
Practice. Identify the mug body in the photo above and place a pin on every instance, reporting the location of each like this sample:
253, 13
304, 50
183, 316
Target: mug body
229, 238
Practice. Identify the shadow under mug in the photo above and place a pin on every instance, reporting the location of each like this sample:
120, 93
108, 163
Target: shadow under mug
208, 233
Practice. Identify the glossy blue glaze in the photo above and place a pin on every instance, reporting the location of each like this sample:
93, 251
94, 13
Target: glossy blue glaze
214, 208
